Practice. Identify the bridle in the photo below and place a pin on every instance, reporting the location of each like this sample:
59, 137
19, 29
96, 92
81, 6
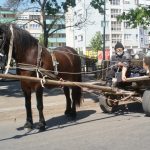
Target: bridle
3, 39
2, 43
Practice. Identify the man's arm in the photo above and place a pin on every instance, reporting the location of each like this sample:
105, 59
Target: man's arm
124, 70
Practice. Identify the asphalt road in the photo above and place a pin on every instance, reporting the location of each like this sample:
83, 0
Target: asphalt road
93, 130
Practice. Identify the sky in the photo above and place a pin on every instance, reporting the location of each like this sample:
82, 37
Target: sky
2, 2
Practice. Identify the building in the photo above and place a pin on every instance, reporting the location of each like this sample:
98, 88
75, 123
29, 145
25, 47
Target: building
27, 21
7, 15
114, 31
58, 36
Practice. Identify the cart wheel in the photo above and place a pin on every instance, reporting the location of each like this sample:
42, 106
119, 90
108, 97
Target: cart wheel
146, 102
105, 105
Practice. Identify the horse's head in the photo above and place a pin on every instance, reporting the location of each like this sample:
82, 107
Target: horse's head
4, 37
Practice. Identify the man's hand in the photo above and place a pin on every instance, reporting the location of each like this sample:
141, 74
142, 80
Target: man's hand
120, 64
124, 78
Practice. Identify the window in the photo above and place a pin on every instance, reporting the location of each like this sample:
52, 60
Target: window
136, 36
80, 38
34, 17
116, 37
115, 2
136, 2
126, 25
126, 2
115, 26
127, 36
115, 12
106, 37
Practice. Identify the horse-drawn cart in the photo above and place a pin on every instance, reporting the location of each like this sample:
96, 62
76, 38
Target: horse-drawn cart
110, 97
36, 65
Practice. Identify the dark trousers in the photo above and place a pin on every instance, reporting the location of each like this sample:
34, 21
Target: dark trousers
112, 74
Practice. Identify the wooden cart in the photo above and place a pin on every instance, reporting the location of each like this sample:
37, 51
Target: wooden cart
137, 91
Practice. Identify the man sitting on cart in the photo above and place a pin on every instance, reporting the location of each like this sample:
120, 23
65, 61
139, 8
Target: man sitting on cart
119, 65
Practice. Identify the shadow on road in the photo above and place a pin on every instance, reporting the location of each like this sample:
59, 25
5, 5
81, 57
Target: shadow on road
61, 122
10, 88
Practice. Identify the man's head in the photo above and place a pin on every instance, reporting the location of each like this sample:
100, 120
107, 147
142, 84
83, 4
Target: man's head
119, 49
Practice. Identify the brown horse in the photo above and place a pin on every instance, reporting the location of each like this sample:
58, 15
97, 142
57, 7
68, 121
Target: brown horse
64, 61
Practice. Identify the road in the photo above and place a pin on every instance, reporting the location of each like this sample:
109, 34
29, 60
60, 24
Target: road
92, 130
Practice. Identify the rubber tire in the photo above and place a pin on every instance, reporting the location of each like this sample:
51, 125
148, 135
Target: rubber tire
104, 105
146, 102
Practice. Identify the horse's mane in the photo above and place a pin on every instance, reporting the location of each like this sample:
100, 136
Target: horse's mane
22, 39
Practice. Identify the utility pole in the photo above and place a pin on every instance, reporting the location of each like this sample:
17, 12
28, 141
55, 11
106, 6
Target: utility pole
104, 26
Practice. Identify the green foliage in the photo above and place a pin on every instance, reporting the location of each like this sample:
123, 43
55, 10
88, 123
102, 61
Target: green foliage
98, 4
136, 17
96, 42
52, 7
68, 3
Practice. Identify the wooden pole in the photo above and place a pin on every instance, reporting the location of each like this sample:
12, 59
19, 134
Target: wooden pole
136, 79
59, 83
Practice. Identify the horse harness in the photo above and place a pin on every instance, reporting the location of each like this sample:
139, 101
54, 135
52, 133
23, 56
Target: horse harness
54, 61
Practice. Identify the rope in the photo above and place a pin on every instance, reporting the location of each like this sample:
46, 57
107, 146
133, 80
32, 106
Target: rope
43, 81
42, 69
10, 50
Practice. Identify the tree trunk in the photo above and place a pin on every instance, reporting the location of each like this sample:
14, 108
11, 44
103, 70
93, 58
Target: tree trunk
45, 34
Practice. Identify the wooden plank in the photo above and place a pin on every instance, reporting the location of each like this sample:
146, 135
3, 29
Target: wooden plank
136, 79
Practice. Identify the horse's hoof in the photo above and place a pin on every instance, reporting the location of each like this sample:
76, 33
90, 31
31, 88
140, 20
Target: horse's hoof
71, 114
67, 112
28, 126
41, 126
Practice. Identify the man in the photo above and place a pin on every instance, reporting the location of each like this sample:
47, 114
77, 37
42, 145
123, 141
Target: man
119, 64
146, 63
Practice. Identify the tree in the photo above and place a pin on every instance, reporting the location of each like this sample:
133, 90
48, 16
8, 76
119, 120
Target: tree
135, 17
47, 8
96, 42
98, 4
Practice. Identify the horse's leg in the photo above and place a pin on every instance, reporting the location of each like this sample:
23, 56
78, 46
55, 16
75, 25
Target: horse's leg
68, 100
29, 120
39, 98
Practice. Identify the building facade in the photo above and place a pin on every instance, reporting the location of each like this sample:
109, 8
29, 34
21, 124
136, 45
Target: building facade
114, 31
26, 21
7, 15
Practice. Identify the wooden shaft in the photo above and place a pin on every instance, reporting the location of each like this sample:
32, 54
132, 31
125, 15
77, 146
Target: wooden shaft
58, 83
136, 79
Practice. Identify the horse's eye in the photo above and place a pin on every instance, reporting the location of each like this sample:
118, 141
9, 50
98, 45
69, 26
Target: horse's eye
1, 37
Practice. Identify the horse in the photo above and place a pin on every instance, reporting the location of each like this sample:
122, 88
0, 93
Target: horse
62, 64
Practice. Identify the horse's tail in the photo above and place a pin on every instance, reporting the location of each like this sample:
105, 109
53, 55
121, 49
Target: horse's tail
77, 93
